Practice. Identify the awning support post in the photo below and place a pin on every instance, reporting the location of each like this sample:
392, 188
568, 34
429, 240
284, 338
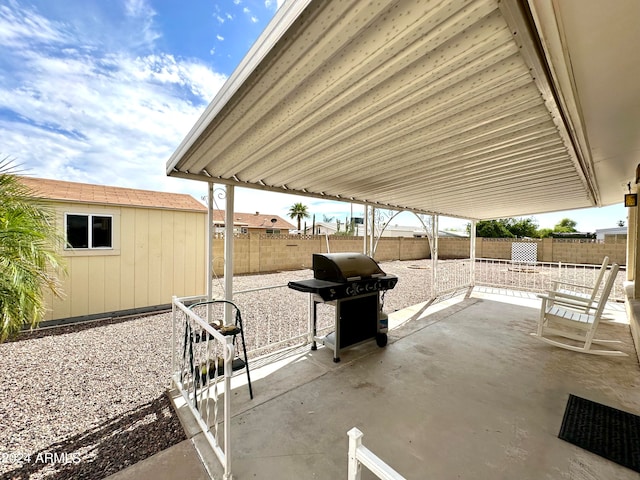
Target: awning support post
434, 256
228, 252
472, 253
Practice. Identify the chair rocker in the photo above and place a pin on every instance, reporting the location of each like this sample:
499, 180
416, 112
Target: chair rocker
557, 320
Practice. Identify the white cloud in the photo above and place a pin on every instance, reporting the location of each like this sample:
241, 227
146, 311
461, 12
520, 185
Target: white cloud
140, 10
220, 37
21, 27
254, 19
75, 112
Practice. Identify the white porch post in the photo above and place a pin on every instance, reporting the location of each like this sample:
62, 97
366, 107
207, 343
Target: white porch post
434, 256
372, 236
354, 469
210, 232
472, 252
632, 242
228, 252
366, 229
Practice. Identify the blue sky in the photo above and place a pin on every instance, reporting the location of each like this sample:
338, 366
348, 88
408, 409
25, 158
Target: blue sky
103, 92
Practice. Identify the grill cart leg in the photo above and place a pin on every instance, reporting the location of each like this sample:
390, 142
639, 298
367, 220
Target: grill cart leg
313, 317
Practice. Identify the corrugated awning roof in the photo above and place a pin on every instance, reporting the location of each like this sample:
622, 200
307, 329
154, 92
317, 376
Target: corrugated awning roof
441, 107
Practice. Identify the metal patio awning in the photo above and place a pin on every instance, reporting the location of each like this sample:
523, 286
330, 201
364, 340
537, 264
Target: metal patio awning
465, 108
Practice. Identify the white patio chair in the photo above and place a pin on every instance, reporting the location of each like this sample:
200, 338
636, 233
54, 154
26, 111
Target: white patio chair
576, 296
567, 323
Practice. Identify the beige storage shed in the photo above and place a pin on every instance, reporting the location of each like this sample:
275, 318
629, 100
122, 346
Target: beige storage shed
129, 251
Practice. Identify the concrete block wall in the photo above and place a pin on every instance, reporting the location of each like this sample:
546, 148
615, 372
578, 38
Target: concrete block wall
589, 252
259, 253
414, 248
549, 250
449, 247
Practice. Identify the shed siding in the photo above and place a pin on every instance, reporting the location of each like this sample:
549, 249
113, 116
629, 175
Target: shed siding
157, 253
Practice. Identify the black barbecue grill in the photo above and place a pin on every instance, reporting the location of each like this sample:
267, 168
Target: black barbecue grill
351, 282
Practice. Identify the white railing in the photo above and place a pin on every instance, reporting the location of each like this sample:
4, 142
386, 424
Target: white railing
539, 276
269, 327
452, 276
360, 455
200, 356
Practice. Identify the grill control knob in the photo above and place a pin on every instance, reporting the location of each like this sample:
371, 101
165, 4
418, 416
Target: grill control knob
350, 291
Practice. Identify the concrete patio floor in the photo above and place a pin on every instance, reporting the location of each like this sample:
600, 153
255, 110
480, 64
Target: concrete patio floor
464, 392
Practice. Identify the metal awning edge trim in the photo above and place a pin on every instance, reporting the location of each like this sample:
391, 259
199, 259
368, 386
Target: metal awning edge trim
526, 36
267, 188
284, 17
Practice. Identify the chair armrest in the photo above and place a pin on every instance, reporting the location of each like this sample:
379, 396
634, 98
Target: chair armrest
569, 301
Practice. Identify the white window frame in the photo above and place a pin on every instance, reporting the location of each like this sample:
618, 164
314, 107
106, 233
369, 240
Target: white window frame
90, 232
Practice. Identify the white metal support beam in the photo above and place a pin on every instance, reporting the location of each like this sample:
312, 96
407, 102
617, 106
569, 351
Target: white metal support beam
434, 256
472, 252
209, 269
373, 230
209, 243
228, 251
366, 229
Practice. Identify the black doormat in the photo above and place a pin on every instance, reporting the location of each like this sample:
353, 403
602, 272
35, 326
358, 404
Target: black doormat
603, 430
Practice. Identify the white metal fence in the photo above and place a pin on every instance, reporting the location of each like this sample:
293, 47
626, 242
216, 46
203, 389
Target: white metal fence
360, 455
200, 356
539, 276
270, 325
452, 276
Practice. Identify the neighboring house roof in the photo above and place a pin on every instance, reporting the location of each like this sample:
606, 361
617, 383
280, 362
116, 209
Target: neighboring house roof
602, 232
59, 190
254, 220
611, 231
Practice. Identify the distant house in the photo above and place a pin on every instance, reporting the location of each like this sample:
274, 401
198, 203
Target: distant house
128, 250
257, 222
614, 234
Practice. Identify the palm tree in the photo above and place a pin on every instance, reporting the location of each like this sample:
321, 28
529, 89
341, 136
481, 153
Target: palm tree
28, 255
298, 211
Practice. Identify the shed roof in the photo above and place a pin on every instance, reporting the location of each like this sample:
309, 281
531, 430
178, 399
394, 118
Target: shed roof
63, 191
469, 108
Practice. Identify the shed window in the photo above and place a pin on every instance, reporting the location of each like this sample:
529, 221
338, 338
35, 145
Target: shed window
273, 231
89, 231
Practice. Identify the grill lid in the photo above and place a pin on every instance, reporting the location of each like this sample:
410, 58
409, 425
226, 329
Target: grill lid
344, 267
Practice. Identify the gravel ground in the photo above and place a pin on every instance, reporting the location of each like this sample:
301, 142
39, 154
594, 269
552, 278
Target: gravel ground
83, 402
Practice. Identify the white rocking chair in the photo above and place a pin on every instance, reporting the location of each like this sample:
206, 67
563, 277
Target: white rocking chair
580, 297
567, 322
